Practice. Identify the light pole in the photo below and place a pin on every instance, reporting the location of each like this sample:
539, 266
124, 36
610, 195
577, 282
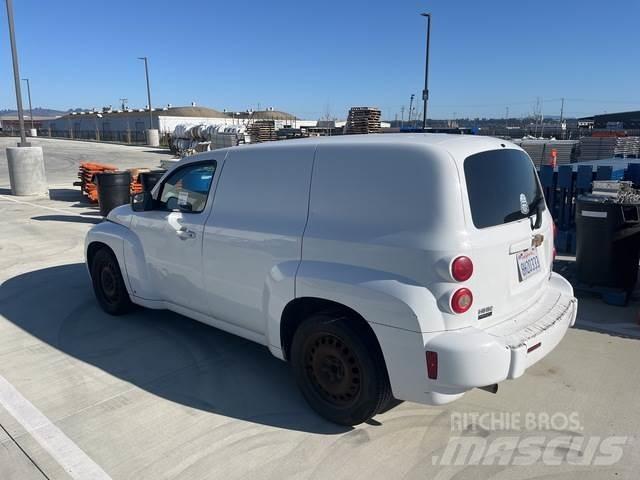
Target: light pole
146, 73
16, 73
425, 92
98, 115
410, 108
24, 162
29, 95
153, 135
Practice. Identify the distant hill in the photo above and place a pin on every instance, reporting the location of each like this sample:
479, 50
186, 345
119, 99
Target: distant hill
37, 112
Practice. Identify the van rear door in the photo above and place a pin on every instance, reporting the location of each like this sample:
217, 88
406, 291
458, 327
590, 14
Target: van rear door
512, 240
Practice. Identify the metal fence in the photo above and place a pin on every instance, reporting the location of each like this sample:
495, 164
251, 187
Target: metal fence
130, 137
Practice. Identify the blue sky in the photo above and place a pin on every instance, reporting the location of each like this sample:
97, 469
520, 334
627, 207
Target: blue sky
312, 57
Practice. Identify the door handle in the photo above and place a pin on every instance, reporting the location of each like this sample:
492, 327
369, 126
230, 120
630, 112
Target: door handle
184, 233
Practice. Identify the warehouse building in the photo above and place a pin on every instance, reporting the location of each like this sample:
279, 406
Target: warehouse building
129, 125
10, 125
622, 120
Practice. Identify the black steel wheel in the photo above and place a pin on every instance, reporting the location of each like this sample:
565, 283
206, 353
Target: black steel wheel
108, 284
332, 368
339, 370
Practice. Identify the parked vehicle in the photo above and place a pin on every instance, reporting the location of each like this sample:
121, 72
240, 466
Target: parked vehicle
398, 266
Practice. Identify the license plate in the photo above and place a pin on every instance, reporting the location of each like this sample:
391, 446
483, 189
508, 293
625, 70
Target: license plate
528, 263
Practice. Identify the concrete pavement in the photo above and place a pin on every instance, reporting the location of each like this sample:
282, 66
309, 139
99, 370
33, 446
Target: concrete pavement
156, 395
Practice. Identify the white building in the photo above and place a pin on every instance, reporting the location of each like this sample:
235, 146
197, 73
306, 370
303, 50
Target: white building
130, 125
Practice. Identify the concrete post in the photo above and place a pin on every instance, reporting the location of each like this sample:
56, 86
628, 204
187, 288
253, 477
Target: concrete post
153, 137
26, 171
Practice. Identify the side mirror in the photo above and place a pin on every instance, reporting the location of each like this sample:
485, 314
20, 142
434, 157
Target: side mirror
142, 202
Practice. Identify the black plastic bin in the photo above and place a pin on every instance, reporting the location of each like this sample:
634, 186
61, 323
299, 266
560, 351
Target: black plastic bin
149, 179
113, 190
608, 242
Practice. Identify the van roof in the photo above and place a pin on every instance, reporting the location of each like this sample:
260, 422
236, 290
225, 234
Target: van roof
458, 146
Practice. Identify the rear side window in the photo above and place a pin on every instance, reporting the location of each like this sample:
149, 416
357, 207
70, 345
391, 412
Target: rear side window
503, 187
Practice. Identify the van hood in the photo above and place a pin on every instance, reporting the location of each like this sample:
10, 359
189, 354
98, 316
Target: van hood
121, 215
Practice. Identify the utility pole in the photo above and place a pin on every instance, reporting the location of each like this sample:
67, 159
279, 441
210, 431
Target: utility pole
29, 95
402, 116
16, 74
123, 102
506, 119
425, 92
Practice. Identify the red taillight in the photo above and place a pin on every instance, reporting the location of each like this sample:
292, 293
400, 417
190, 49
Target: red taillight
461, 300
462, 268
432, 364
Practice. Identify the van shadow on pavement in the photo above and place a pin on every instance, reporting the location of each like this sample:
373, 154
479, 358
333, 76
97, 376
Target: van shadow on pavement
164, 353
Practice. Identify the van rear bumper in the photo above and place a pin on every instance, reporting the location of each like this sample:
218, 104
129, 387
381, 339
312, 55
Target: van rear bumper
471, 357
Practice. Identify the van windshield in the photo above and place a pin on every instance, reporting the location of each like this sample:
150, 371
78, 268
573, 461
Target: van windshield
503, 187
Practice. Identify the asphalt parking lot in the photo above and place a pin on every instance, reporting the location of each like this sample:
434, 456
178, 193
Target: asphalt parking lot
155, 395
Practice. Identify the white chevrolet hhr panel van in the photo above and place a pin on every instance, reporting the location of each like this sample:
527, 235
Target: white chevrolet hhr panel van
382, 267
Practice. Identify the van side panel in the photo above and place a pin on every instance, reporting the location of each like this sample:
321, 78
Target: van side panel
252, 240
384, 209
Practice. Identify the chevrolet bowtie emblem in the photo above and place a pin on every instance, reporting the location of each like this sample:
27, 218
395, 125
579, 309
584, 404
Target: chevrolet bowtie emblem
537, 240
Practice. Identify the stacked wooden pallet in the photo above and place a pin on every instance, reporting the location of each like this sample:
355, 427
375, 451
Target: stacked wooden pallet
627, 147
262, 131
363, 120
565, 152
542, 151
597, 148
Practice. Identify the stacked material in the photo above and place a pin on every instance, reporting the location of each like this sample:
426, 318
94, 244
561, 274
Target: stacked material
262, 131
363, 120
188, 139
535, 149
627, 147
289, 133
86, 174
136, 184
542, 151
597, 148
227, 136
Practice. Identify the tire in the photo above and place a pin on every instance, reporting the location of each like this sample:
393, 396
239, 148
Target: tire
108, 284
339, 370
390, 405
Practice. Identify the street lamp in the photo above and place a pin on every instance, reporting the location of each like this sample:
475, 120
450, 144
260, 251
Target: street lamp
425, 92
146, 73
29, 95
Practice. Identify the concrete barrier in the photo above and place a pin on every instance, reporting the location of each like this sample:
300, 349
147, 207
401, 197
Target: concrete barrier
26, 171
153, 137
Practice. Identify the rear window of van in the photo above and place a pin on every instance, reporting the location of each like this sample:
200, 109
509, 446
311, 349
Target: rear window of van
502, 186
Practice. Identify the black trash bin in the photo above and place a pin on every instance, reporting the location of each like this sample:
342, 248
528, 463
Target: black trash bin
149, 179
608, 242
113, 190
